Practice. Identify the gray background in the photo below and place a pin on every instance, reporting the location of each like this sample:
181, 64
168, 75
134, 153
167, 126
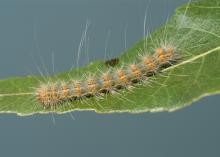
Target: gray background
30, 31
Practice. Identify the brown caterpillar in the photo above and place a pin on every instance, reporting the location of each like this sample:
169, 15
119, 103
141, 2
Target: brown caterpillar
53, 94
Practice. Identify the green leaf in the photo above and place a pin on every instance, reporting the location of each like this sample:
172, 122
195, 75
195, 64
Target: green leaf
195, 32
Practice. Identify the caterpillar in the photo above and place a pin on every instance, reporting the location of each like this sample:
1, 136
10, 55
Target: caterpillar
52, 94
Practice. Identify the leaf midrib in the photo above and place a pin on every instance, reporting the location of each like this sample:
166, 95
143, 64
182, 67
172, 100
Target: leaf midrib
193, 58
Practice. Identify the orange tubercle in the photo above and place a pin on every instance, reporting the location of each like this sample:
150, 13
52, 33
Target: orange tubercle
92, 86
78, 89
122, 76
107, 81
151, 65
136, 71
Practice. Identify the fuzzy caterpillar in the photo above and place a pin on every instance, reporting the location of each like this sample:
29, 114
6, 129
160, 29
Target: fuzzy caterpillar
53, 94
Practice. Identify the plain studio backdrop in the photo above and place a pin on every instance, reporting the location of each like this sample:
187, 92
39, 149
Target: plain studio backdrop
32, 30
